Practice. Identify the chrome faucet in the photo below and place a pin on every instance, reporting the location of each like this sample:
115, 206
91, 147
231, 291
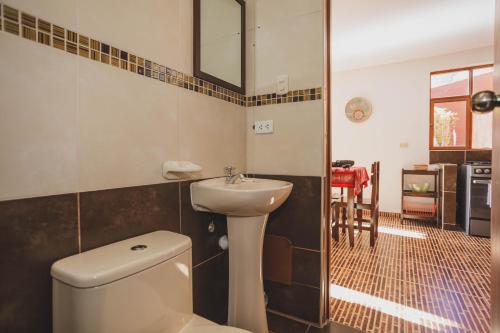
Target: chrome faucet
230, 177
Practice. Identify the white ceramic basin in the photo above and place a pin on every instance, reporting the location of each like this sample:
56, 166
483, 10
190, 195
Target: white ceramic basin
250, 197
247, 205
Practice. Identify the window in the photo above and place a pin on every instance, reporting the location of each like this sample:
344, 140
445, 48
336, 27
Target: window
452, 123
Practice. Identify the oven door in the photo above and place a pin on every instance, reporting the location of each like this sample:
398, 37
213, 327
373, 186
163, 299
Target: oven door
480, 199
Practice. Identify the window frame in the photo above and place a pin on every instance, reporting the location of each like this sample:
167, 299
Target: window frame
467, 98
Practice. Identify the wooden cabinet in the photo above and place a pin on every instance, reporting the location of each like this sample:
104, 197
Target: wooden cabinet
448, 196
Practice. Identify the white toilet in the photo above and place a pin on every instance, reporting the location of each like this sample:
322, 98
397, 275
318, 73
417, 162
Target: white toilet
139, 285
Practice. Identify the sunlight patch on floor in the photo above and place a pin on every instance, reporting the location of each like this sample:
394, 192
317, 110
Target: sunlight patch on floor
391, 308
402, 232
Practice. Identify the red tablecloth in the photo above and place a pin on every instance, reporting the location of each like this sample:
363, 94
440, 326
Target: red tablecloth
354, 177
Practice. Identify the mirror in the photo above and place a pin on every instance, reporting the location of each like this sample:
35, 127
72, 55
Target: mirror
219, 43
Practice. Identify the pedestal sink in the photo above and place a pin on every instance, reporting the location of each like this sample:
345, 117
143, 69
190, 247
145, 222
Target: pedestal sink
247, 205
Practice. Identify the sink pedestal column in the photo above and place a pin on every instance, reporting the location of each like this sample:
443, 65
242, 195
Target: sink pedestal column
247, 307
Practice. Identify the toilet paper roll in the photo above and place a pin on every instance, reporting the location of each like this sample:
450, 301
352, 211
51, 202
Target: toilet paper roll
223, 242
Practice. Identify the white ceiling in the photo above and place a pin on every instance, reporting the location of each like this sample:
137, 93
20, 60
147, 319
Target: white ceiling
375, 32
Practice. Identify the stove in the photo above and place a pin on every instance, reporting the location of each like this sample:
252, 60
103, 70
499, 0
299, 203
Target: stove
474, 198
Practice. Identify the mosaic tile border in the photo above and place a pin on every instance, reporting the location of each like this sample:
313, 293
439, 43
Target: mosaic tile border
294, 96
22, 24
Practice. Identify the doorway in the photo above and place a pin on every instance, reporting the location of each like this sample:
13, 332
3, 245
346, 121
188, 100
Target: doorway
417, 277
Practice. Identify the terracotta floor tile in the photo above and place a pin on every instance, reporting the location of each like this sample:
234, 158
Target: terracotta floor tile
417, 278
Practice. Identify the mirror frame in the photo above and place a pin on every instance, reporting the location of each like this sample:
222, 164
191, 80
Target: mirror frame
197, 50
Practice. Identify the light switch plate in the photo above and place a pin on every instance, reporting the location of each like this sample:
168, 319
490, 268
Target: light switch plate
282, 85
264, 127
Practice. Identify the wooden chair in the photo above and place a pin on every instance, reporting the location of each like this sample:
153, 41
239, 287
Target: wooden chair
371, 204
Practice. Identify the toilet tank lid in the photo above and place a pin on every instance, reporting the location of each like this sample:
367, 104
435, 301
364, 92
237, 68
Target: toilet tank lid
115, 261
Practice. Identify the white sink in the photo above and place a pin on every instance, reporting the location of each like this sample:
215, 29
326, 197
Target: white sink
249, 197
247, 205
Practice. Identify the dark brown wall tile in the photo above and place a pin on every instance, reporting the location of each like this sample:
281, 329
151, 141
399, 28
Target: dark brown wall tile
280, 324
112, 215
37, 232
479, 155
299, 218
211, 288
450, 178
295, 300
307, 267
277, 263
34, 233
195, 225
438, 156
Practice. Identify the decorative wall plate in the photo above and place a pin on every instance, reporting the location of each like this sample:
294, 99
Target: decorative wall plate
358, 109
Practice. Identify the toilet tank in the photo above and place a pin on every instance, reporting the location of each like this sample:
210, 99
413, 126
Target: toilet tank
142, 284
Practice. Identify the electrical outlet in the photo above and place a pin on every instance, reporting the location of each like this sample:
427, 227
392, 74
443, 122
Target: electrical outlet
264, 127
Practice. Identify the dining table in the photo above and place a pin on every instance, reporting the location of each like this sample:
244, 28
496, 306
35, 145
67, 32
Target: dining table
354, 179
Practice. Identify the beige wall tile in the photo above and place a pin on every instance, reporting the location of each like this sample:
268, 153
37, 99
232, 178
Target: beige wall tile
288, 40
60, 12
250, 47
295, 147
250, 63
271, 12
292, 44
100, 127
186, 37
38, 153
149, 28
211, 133
128, 127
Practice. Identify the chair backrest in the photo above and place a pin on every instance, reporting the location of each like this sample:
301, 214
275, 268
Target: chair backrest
375, 181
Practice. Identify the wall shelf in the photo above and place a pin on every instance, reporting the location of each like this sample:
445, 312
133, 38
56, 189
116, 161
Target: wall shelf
428, 211
408, 193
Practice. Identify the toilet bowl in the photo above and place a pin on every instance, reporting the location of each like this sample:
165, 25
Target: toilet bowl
139, 285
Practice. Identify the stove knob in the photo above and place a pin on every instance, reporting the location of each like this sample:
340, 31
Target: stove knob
487, 171
479, 171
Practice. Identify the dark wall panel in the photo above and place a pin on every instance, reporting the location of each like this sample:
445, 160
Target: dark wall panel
307, 267
296, 300
211, 289
113, 215
34, 233
459, 156
439, 156
299, 218
478, 155
195, 225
